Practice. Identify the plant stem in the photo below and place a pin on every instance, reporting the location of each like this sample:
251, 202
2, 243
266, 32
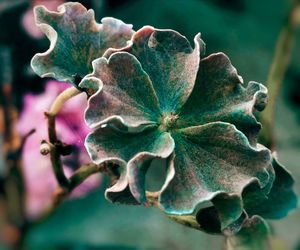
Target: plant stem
55, 145
56, 148
282, 56
62, 98
75, 180
55, 154
84, 172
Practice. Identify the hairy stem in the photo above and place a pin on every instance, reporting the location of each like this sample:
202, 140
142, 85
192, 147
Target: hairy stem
282, 56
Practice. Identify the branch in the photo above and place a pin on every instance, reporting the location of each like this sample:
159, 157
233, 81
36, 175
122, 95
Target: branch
85, 172
281, 60
79, 176
62, 99
56, 148
55, 145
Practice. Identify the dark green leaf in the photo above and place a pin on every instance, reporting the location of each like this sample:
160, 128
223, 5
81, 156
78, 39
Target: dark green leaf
125, 98
210, 160
170, 62
253, 236
128, 151
219, 95
277, 203
76, 40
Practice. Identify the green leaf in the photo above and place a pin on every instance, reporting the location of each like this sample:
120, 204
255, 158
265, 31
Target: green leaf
278, 202
218, 95
75, 41
170, 62
211, 160
200, 116
127, 151
121, 98
254, 235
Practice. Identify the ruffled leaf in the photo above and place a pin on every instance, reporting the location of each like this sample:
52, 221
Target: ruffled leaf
154, 101
170, 62
209, 218
254, 235
278, 202
106, 145
125, 98
210, 160
75, 41
219, 96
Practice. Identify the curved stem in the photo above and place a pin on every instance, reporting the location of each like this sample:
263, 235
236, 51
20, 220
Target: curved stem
62, 98
75, 180
81, 175
55, 145
282, 56
85, 172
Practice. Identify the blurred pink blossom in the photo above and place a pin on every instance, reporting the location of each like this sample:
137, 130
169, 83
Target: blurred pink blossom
39, 178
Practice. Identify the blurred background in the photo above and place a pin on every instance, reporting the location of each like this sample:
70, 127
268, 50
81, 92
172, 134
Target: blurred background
247, 31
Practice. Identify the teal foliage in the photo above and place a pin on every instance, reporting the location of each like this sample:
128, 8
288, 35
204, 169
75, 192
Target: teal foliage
75, 41
160, 103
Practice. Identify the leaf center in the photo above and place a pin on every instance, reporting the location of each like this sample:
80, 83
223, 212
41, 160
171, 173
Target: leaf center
168, 121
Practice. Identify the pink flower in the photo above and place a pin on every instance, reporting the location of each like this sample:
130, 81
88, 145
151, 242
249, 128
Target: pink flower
39, 178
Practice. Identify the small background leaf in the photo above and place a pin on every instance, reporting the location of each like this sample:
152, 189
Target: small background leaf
253, 236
